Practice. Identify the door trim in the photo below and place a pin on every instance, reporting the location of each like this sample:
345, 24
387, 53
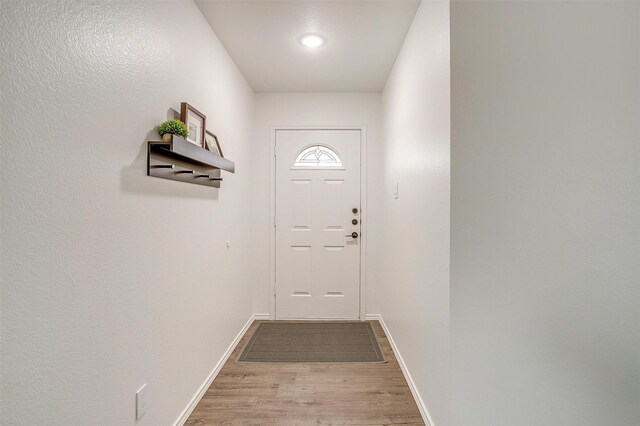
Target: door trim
272, 212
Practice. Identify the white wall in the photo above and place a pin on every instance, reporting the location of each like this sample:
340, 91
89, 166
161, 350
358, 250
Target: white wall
110, 278
301, 110
414, 272
545, 295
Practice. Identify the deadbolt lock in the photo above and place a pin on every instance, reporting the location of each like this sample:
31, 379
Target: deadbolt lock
354, 210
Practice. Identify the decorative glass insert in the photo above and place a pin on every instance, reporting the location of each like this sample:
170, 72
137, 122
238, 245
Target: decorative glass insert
318, 156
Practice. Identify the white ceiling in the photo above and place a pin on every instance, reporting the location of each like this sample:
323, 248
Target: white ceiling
363, 39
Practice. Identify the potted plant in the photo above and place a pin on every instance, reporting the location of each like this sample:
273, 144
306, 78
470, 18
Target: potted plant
172, 127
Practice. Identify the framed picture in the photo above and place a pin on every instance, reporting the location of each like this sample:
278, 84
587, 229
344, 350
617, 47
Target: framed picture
196, 123
212, 144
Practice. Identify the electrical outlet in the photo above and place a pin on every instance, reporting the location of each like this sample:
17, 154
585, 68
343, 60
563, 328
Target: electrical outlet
141, 401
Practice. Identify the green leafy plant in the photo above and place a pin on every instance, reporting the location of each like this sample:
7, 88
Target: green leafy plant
173, 127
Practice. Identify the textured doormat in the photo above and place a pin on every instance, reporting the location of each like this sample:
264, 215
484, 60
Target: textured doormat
313, 342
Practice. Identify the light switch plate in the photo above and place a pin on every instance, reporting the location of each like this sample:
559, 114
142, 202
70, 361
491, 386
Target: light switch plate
141, 401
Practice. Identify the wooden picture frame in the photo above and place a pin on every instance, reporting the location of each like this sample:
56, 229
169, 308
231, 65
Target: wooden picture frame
212, 144
196, 123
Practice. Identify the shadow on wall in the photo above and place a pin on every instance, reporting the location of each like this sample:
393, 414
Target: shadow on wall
134, 179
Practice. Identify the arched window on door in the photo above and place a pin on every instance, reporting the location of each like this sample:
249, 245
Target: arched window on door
317, 156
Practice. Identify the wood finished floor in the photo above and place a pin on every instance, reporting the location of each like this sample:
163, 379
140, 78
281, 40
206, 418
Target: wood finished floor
308, 393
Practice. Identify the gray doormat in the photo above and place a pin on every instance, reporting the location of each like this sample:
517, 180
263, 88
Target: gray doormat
313, 342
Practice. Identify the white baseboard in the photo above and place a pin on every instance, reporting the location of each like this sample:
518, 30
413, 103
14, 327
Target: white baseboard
198, 396
261, 317
412, 386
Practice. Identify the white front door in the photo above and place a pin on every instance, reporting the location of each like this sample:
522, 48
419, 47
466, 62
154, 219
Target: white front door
317, 224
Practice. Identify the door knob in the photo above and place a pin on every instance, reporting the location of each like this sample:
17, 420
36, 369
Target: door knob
352, 235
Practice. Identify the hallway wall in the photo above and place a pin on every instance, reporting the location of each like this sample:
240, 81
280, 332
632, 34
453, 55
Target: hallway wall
413, 272
110, 278
545, 301
303, 110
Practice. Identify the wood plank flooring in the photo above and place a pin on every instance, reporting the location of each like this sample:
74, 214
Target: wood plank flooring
308, 393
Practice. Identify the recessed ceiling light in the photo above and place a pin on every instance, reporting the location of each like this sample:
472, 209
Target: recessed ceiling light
312, 40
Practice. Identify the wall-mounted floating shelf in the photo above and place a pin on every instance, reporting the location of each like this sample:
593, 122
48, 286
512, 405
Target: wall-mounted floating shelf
185, 162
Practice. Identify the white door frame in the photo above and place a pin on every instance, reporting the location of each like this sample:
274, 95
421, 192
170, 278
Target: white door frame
272, 211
